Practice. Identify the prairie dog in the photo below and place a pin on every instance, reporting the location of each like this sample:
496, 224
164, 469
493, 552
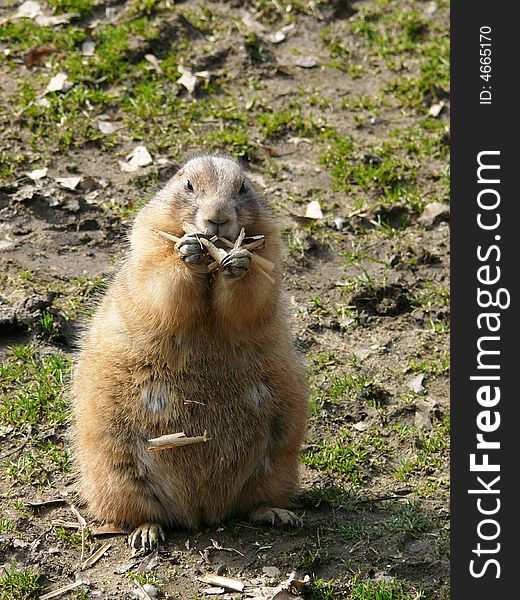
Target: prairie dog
173, 348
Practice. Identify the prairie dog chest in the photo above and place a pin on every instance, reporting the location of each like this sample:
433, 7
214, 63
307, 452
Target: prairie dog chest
205, 380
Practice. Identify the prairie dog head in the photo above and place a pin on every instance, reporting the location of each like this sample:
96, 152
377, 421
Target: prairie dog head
212, 193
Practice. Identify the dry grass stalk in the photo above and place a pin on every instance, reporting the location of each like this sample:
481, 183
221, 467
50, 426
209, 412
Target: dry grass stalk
174, 440
62, 590
82, 527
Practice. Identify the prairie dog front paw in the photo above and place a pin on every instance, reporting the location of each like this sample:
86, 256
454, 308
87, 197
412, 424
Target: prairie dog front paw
190, 249
236, 264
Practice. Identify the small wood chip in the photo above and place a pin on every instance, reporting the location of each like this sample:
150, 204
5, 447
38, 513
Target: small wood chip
226, 582
109, 529
174, 440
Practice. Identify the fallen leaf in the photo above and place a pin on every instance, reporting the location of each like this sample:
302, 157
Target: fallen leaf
271, 571
49, 21
226, 582
187, 79
213, 591
152, 59
29, 9
45, 503
59, 83
306, 62
252, 24
139, 157
69, 183
416, 384
434, 213
37, 54
361, 426
314, 210
276, 37
37, 174
106, 127
88, 48
436, 109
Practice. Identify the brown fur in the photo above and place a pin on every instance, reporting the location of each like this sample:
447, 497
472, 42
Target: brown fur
171, 349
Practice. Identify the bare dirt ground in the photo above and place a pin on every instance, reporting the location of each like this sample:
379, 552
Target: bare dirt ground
343, 104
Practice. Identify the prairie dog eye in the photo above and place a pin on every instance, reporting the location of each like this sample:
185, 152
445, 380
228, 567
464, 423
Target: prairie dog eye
189, 186
242, 189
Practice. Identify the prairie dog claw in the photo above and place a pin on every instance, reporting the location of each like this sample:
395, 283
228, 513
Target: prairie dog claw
190, 249
236, 264
146, 537
276, 516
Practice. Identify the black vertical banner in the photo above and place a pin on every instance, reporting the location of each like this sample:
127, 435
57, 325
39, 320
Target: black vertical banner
485, 333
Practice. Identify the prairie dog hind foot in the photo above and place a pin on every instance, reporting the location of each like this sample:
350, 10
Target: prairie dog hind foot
276, 516
146, 537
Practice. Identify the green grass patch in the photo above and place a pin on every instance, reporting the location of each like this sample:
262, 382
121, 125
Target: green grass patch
389, 589
32, 388
22, 584
348, 458
379, 169
39, 465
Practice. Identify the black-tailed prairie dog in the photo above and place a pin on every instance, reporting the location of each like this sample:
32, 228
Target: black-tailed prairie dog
173, 348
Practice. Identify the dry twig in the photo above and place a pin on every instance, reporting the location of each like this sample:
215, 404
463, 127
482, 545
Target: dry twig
261, 264
92, 560
174, 440
225, 582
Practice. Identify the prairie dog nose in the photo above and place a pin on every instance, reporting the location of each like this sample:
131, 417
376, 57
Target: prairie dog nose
218, 219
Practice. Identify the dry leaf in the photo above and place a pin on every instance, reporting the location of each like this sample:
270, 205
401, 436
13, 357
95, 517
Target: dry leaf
88, 48
29, 9
306, 62
253, 25
361, 426
59, 83
37, 54
47, 21
106, 127
69, 183
276, 37
314, 210
152, 59
37, 174
61, 591
436, 109
187, 79
139, 157
416, 384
